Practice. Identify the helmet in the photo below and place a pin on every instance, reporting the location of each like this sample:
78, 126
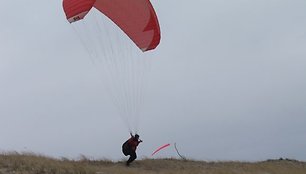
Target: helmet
136, 136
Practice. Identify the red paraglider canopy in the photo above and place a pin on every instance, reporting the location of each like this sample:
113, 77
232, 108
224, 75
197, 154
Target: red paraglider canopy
136, 18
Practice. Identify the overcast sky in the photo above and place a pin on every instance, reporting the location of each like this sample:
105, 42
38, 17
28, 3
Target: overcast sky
227, 82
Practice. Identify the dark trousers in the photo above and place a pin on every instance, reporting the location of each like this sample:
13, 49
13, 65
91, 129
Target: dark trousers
133, 156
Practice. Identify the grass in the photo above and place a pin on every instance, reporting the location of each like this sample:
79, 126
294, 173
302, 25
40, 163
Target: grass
29, 163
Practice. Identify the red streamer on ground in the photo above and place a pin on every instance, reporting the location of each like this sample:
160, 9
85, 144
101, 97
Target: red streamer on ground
160, 148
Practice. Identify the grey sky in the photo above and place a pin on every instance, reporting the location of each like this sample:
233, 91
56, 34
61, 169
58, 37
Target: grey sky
227, 83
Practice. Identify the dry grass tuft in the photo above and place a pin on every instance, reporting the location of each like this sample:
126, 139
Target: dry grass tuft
29, 163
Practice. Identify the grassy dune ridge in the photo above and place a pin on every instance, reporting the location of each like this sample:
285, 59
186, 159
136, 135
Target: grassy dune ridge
28, 163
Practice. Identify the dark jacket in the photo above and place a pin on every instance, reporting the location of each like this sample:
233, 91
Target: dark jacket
130, 145
133, 143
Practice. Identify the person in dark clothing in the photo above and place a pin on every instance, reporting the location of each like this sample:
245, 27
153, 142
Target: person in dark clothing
130, 146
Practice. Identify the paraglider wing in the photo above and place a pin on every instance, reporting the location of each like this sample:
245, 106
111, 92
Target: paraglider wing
136, 18
160, 148
77, 9
109, 31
